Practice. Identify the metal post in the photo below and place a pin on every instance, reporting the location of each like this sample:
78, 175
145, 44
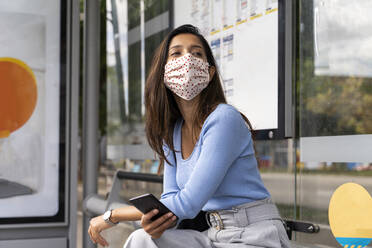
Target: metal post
90, 146
142, 28
119, 68
74, 119
288, 58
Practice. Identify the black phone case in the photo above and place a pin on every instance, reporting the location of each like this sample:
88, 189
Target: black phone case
147, 202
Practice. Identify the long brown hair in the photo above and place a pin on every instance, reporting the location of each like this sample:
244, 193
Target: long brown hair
161, 108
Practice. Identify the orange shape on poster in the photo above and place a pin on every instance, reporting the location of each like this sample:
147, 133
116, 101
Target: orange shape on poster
18, 95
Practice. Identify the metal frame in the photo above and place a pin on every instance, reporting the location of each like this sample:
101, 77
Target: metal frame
290, 61
284, 129
74, 71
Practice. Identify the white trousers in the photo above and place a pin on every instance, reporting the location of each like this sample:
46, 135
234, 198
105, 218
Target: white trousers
266, 233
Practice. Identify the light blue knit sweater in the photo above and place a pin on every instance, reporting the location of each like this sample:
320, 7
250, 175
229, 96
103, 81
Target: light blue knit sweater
221, 171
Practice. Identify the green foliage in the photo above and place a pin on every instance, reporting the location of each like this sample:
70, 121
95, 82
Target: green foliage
134, 14
334, 105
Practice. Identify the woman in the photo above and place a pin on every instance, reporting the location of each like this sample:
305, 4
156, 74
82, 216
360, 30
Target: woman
207, 151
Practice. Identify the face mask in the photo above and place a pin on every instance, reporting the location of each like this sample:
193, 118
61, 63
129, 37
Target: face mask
186, 76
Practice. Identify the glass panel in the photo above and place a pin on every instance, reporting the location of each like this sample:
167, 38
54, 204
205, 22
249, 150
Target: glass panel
127, 146
335, 107
276, 164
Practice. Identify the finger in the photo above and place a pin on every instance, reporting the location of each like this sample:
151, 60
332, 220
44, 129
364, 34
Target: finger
89, 233
162, 219
89, 230
91, 236
101, 240
155, 224
161, 228
147, 217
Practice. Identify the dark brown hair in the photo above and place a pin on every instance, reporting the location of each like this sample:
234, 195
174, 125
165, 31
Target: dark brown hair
161, 108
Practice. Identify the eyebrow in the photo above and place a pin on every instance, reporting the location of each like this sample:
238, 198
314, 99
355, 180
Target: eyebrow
178, 46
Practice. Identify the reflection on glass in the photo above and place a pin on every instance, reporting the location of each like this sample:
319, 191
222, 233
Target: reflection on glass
336, 68
342, 38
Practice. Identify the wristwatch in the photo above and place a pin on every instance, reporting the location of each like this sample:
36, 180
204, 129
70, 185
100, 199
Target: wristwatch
107, 216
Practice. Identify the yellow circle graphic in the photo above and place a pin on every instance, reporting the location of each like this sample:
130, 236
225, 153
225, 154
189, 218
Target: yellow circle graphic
350, 215
18, 95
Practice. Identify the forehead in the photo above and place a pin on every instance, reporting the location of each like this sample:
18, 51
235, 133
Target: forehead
185, 40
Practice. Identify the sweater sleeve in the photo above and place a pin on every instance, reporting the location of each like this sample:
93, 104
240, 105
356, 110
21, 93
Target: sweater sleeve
224, 138
170, 186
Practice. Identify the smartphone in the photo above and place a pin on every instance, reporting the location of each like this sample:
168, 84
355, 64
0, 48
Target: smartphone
147, 202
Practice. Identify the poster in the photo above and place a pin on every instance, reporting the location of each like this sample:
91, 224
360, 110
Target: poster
29, 121
243, 35
256, 66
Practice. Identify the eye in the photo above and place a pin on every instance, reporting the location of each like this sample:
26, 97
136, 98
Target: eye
175, 53
199, 54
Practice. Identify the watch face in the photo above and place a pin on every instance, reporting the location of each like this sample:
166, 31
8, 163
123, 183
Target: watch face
106, 215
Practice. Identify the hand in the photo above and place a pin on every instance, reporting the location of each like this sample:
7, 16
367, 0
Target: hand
97, 224
157, 227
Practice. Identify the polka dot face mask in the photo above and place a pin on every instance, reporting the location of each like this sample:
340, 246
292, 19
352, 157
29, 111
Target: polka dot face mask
186, 76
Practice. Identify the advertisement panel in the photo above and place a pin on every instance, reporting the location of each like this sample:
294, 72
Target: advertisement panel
31, 111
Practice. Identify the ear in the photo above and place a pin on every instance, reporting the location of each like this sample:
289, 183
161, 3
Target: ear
212, 70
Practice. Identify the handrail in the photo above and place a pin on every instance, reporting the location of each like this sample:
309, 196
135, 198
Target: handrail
147, 177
